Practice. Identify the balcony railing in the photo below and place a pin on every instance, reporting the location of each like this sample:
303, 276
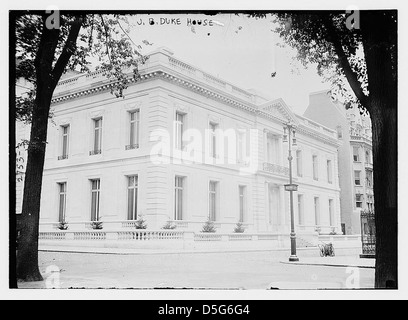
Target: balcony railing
94, 152
132, 146
276, 169
63, 157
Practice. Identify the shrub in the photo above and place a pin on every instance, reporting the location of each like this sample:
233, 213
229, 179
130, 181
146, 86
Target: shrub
63, 225
209, 227
140, 223
239, 228
169, 226
97, 225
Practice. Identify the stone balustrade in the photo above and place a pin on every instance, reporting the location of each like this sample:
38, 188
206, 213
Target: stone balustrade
154, 235
143, 235
276, 169
207, 237
317, 127
181, 65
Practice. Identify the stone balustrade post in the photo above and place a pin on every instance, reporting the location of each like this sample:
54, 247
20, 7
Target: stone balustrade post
188, 240
69, 236
112, 236
224, 238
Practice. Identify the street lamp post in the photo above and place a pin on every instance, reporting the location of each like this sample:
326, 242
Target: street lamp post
291, 187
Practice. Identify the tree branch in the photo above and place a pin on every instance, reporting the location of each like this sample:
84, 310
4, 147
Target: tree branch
107, 38
125, 31
46, 50
68, 50
351, 76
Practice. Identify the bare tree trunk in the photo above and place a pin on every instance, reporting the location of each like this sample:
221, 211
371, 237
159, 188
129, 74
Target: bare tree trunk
27, 257
385, 180
380, 47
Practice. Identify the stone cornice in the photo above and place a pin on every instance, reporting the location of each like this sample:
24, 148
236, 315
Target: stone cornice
204, 90
307, 131
282, 109
165, 75
207, 91
360, 140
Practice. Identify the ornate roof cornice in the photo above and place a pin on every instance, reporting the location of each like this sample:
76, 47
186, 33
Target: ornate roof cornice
311, 133
191, 85
207, 91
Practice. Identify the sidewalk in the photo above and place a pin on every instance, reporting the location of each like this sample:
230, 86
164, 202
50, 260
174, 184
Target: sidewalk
149, 251
149, 269
158, 251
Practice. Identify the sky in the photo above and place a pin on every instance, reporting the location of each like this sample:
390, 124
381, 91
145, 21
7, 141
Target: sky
237, 49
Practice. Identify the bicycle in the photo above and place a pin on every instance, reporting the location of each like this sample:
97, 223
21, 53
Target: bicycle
326, 250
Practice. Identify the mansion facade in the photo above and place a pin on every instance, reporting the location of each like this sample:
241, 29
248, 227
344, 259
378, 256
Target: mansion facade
183, 146
355, 156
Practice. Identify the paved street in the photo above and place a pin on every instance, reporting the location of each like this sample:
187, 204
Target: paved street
234, 270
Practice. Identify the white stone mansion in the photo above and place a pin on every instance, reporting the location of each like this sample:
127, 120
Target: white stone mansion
183, 146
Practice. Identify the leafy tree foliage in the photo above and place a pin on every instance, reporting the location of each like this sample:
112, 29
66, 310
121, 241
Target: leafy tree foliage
102, 39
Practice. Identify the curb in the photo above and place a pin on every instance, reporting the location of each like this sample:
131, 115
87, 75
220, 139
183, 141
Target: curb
90, 250
328, 265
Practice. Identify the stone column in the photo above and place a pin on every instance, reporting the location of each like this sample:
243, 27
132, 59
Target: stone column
282, 155
266, 215
265, 144
282, 208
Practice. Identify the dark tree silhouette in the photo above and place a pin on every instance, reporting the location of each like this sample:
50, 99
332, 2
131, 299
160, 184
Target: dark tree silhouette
47, 45
357, 53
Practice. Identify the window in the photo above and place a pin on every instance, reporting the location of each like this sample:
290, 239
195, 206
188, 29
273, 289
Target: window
62, 201
179, 199
134, 129
315, 168
65, 142
95, 195
213, 139
241, 146
213, 195
97, 142
370, 203
331, 212
369, 178
359, 201
180, 119
339, 132
299, 163
368, 156
132, 189
356, 157
272, 149
274, 204
357, 180
242, 203
317, 210
300, 210
329, 172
